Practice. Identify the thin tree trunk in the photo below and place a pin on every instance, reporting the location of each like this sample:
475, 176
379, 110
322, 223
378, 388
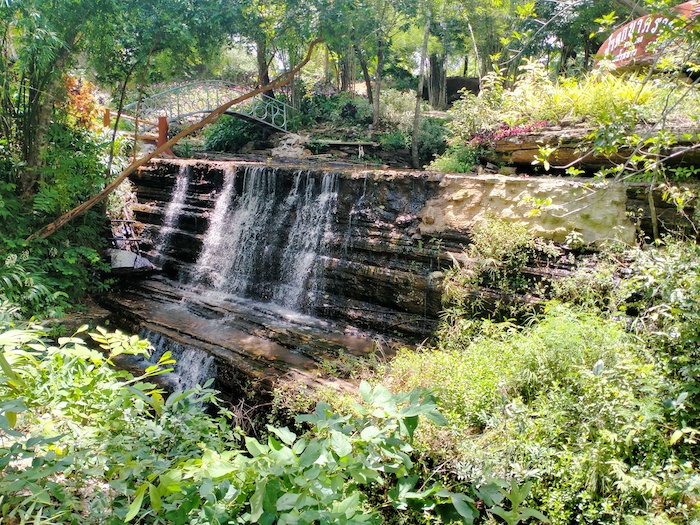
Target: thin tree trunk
365, 74
416, 116
282, 80
263, 67
437, 84
378, 82
345, 71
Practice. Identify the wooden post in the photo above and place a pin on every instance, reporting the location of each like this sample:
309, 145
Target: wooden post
107, 118
162, 130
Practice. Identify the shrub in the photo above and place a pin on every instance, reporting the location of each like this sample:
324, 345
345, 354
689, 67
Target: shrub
230, 134
397, 109
393, 140
105, 447
499, 252
46, 277
432, 140
572, 402
458, 159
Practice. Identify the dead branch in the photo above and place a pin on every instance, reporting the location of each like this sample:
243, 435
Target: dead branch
280, 81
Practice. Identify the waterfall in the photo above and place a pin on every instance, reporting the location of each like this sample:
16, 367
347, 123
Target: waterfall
264, 243
306, 241
193, 366
172, 212
213, 246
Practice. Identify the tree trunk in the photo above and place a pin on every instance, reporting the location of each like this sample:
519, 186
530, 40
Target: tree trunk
346, 71
416, 116
378, 82
263, 66
365, 75
437, 82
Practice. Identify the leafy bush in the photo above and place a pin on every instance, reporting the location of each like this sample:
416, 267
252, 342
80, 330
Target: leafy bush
230, 134
46, 277
571, 402
397, 109
393, 140
88, 444
499, 252
458, 159
340, 107
432, 141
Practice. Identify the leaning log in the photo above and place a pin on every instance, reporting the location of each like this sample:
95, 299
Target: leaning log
280, 81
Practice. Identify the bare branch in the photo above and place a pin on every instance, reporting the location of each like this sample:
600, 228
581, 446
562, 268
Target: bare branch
280, 81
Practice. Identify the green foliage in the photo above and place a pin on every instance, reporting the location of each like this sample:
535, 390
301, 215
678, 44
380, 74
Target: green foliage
230, 134
602, 417
49, 276
571, 402
664, 297
393, 140
72, 170
397, 109
499, 252
432, 139
84, 443
341, 108
458, 159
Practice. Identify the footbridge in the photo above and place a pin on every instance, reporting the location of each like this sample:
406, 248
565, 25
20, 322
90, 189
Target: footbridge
186, 100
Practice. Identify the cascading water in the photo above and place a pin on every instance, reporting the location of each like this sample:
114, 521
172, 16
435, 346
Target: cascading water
264, 243
267, 272
306, 240
192, 367
172, 212
213, 246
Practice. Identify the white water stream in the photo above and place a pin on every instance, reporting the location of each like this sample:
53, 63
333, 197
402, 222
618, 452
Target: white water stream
172, 212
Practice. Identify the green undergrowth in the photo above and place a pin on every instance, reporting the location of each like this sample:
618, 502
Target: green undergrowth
83, 443
594, 401
46, 277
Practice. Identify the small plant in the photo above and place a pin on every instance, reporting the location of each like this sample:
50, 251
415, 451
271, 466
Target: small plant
458, 159
230, 134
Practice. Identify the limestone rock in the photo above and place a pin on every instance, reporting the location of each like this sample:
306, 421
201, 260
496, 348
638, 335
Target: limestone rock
551, 208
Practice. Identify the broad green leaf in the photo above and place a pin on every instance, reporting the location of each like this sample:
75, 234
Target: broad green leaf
255, 447
310, 454
256, 502
676, 436
340, 444
410, 425
170, 481
287, 501
532, 513
349, 505
286, 436
365, 391
369, 433
135, 506
154, 496
465, 507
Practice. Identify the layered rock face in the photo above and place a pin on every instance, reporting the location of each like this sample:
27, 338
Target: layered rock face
274, 269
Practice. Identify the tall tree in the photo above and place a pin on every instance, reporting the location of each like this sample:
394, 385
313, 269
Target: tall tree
42, 40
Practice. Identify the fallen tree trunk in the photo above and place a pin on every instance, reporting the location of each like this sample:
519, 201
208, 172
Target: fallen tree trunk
280, 81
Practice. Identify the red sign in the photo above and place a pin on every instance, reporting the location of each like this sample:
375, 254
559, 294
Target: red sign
631, 44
